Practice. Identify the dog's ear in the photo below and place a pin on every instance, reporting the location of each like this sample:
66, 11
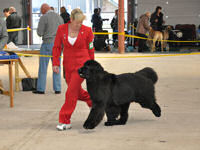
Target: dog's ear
99, 68
95, 65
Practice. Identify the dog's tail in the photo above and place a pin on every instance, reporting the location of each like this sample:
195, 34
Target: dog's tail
149, 73
156, 110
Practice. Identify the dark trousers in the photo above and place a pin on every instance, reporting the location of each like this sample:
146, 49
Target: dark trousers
13, 37
142, 46
114, 36
157, 28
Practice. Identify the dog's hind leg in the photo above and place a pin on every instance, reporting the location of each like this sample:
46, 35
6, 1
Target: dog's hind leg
150, 103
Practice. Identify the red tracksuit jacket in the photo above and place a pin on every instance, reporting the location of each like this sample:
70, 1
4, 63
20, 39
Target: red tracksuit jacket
74, 56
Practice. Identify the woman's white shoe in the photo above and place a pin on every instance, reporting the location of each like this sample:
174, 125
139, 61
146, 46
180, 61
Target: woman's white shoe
62, 127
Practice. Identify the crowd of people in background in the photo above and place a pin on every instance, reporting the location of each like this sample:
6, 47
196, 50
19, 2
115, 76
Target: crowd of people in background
13, 21
146, 22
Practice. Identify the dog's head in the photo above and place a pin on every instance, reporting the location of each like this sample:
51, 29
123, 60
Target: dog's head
168, 28
90, 69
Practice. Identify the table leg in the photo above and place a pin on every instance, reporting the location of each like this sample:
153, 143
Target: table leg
24, 68
17, 79
11, 85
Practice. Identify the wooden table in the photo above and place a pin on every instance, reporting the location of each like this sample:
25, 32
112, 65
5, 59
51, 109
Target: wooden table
9, 62
20, 63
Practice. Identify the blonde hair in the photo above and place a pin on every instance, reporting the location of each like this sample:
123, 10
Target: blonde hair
77, 14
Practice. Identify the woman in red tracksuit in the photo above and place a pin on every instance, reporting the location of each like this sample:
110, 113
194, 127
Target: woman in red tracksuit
77, 41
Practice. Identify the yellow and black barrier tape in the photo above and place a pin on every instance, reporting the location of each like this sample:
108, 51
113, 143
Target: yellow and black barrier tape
37, 55
124, 56
18, 29
138, 37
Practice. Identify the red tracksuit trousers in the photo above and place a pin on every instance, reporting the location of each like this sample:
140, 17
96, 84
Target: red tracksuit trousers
74, 92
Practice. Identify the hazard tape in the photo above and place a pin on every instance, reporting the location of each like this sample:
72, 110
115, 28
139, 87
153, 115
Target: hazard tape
147, 56
138, 37
18, 29
37, 55
143, 56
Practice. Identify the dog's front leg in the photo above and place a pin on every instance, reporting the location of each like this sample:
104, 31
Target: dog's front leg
95, 116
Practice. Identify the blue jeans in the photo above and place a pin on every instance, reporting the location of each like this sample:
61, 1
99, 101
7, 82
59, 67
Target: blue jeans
46, 49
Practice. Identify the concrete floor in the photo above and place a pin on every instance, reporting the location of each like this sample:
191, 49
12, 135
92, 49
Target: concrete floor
30, 125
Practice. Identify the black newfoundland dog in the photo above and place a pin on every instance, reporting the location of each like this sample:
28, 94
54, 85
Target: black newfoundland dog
113, 94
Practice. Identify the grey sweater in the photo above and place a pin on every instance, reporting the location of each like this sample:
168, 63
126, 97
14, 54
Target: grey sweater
3, 34
48, 25
143, 24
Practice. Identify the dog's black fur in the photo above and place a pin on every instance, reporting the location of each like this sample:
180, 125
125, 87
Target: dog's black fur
113, 94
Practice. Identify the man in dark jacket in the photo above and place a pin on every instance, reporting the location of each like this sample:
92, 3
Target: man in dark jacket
64, 14
157, 19
13, 21
97, 21
114, 25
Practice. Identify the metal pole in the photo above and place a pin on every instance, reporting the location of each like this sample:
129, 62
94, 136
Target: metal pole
28, 41
121, 27
134, 14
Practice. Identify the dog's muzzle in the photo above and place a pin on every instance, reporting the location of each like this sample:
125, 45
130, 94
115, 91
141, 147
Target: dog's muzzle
80, 72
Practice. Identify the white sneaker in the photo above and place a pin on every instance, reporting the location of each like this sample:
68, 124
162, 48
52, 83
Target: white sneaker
62, 127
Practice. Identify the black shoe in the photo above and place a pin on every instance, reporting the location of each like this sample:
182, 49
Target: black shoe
57, 92
37, 92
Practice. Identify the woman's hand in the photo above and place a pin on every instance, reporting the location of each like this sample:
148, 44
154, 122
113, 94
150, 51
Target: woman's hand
56, 69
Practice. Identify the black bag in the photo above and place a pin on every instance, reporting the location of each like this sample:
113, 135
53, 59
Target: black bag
100, 41
189, 34
29, 84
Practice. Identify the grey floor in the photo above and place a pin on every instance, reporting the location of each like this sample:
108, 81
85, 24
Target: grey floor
30, 125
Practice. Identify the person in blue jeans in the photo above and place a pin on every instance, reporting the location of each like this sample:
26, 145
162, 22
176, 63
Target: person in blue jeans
47, 28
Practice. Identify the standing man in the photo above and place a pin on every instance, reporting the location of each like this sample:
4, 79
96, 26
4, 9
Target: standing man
114, 25
47, 29
3, 34
13, 21
64, 14
97, 21
142, 28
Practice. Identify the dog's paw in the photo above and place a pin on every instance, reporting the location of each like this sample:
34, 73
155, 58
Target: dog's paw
119, 122
89, 124
156, 110
114, 122
109, 123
